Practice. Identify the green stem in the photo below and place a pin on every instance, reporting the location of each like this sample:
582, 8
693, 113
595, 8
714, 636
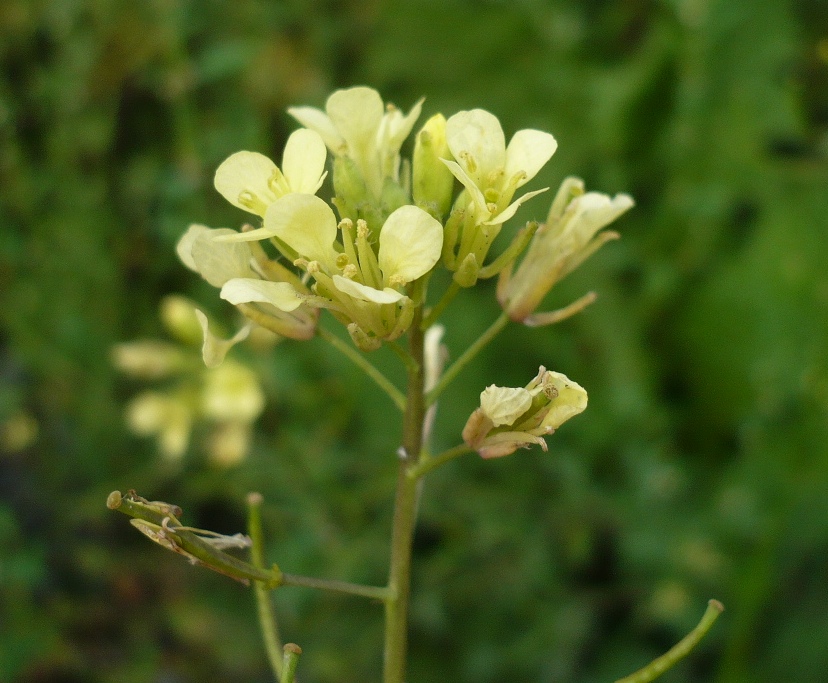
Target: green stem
290, 662
401, 353
468, 355
427, 464
372, 592
160, 519
267, 617
357, 359
680, 650
440, 306
405, 513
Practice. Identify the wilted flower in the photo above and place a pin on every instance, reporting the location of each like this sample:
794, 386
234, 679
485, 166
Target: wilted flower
512, 418
570, 235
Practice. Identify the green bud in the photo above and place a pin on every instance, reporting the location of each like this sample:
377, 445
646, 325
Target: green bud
432, 180
179, 317
349, 186
393, 196
467, 272
362, 340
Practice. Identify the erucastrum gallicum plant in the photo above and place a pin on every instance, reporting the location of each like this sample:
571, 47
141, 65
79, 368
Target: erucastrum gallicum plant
367, 258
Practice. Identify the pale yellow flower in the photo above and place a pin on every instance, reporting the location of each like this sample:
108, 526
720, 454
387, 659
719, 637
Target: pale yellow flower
252, 182
356, 124
356, 283
490, 171
220, 256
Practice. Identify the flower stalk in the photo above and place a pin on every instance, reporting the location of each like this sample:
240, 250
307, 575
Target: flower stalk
405, 514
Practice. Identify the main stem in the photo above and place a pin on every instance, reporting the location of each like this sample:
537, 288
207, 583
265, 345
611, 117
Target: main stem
405, 513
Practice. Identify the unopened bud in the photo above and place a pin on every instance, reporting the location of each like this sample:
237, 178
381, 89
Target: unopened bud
432, 182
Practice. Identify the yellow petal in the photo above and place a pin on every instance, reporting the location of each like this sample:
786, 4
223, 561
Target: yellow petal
246, 290
504, 405
477, 134
410, 244
214, 348
303, 162
243, 180
306, 224
362, 292
527, 152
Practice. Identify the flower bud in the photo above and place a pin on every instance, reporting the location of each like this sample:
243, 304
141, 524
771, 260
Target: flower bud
349, 186
179, 317
467, 272
149, 359
511, 418
432, 181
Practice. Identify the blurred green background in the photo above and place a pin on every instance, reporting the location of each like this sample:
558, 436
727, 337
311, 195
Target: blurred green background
700, 469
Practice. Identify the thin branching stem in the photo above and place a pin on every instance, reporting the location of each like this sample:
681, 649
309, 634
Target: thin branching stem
372, 592
405, 514
264, 607
680, 650
451, 373
360, 361
427, 464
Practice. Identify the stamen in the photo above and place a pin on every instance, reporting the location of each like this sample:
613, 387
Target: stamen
470, 161
252, 202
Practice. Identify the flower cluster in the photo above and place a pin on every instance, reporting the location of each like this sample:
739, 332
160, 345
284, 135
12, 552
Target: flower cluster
367, 256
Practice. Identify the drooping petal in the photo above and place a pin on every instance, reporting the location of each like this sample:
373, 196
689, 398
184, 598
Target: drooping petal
468, 182
504, 405
243, 180
303, 162
245, 291
478, 134
510, 210
214, 348
362, 292
410, 244
306, 224
216, 261
184, 247
317, 120
528, 151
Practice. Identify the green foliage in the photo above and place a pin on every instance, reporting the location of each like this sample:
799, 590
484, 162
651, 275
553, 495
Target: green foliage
699, 469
